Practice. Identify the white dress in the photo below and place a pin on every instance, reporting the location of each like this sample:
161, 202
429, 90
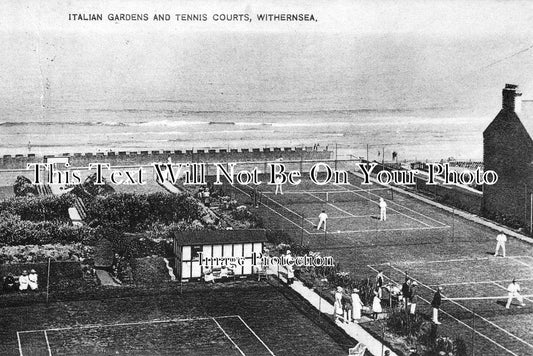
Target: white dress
376, 305
357, 305
338, 303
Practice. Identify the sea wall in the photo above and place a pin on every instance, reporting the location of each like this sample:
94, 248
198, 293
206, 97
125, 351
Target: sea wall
137, 158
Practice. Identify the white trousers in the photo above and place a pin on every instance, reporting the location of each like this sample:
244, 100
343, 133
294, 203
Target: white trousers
435, 315
517, 296
499, 245
279, 189
322, 221
383, 214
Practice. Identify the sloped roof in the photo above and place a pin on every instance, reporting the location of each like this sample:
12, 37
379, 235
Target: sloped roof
509, 120
210, 237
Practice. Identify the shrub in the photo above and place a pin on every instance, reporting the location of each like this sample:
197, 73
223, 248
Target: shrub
39, 208
24, 187
136, 212
15, 231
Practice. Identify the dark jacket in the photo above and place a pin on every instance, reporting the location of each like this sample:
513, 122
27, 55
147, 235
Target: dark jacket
406, 291
413, 298
437, 299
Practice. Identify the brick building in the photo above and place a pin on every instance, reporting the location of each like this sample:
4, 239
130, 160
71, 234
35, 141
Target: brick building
508, 150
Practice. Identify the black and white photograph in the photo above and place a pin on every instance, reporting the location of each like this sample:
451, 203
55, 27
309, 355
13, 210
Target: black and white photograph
244, 177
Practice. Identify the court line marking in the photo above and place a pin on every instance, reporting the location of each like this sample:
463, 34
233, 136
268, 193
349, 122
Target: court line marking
404, 207
450, 260
47, 343
45, 331
229, 338
379, 230
503, 287
91, 326
253, 332
472, 312
20, 345
521, 262
454, 318
479, 282
410, 217
328, 203
350, 217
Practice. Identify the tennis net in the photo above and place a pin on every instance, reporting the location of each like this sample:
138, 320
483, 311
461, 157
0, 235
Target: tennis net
332, 197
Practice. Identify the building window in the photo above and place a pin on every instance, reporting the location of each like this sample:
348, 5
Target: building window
195, 253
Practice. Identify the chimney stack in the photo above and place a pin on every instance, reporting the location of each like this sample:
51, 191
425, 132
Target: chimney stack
509, 93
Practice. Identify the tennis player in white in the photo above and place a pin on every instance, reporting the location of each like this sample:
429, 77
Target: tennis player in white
382, 210
322, 217
279, 185
501, 239
514, 292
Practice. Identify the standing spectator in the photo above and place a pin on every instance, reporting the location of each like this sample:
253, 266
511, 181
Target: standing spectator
435, 304
290, 268
357, 304
347, 306
501, 239
338, 303
379, 283
406, 292
514, 292
413, 298
33, 280
376, 306
382, 209
24, 281
322, 218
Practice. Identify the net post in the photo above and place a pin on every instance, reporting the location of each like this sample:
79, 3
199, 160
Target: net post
473, 331
302, 231
48, 281
453, 224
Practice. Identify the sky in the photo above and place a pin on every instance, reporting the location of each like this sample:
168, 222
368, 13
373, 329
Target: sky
357, 55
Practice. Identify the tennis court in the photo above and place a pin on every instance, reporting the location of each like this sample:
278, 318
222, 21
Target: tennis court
433, 246
222, 335
246, 317
350, 209
474, 292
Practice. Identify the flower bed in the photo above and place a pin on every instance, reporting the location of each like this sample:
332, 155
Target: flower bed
41, 253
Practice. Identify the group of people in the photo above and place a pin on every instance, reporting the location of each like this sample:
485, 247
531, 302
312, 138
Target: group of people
26, 281
348, 305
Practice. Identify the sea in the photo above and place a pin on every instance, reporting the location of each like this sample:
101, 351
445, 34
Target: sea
421, 98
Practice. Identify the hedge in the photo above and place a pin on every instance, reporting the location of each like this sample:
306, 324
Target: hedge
136, 212
16, 231
39, 208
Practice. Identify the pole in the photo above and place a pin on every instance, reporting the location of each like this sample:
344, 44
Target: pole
525, 201
453, 224
473, 331
383, 157
302, 236
531, 213
336, 155
367, 153
48, 281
